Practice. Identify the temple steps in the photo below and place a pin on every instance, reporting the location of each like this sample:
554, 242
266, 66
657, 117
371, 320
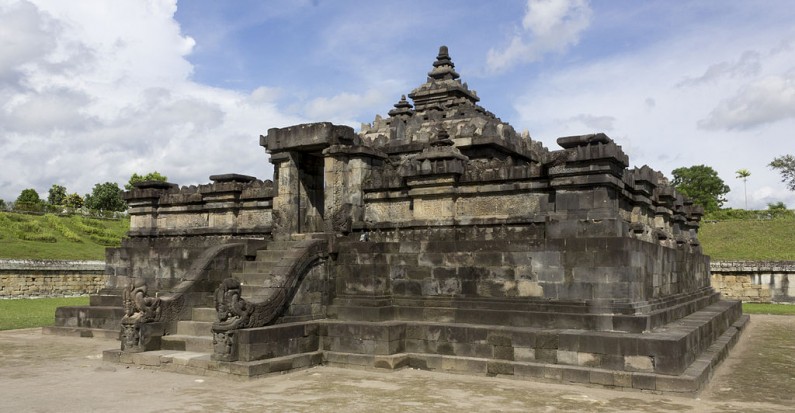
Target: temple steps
187, 343
258, 281
270, 255
203, 314
193, 335
195, 328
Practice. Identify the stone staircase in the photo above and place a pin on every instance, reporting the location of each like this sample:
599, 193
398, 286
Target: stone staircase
257, 282
193, 335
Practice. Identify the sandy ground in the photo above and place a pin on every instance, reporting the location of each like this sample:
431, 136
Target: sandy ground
42, 373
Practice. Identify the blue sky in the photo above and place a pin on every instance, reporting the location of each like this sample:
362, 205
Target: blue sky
93, 91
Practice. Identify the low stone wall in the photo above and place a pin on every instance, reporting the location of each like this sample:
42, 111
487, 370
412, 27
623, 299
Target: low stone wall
49, 278
755, 281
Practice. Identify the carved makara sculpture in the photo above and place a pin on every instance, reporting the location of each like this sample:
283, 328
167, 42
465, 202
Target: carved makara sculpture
233, 312
139, 309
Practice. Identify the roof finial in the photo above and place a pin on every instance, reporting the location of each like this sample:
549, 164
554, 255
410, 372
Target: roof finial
403, 107
443, 66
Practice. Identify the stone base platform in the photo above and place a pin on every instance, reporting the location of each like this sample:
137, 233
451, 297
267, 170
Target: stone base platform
87, 321
101, 318
480, 350
81, 332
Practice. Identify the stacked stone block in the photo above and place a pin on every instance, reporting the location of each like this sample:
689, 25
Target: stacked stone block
754, 281
47, 278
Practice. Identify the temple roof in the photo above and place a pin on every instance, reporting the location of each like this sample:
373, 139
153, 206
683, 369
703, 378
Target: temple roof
443, 87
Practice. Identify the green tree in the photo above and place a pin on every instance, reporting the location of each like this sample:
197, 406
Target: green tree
3, 205
701, 184
73, 201
744, 174
786, 167
106, 197
56, 195
151, 176
778, 206
28, 200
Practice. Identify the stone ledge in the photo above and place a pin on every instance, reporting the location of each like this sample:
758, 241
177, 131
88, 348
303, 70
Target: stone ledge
690, 383
80, 332
52, 265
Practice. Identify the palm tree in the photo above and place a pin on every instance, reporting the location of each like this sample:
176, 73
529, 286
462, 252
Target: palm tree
744, 174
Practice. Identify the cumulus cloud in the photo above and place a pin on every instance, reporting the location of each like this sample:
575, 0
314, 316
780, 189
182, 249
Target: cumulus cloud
548, 26
594, 123
747, 65
766, 100
88, 95
26, 37
343, 107
738, 119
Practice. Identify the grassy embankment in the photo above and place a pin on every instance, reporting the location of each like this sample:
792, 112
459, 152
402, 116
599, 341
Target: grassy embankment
752, 240
51, 237
54, 237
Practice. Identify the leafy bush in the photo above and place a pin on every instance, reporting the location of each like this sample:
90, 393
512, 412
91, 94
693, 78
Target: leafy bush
39, 237
92, 223
108, 241
25, 228
55, 222
744, 214
16, 217
92, 230
33, 231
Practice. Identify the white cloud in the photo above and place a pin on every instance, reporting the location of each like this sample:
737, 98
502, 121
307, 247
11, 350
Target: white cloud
344, 107
598, 123
766, 100
547, 26
747, 65
25, 38
93, 91
661, 123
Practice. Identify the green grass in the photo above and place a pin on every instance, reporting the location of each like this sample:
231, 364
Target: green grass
53, 237
33, 312
755, 240
775, 309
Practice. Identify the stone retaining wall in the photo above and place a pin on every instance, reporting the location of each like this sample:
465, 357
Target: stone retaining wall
755, 281
50, 278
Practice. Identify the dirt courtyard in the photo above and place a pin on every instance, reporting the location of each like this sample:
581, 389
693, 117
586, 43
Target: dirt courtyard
42, 373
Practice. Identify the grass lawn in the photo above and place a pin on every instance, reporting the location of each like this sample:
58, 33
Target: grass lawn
33, 312
754, 240
774, 309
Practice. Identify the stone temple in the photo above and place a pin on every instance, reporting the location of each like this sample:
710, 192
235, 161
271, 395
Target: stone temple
436, 238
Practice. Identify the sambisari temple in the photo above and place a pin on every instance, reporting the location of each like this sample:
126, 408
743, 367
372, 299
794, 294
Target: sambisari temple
435, 238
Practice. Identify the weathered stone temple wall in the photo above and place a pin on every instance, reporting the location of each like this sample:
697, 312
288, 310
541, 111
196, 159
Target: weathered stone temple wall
50, 278
755, 281
436, 237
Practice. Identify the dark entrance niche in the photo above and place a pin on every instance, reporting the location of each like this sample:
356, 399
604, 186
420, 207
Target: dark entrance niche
311, 187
